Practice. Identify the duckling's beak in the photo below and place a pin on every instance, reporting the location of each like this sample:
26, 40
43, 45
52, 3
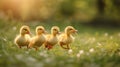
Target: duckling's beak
29, 32
45, 32
59, 33
76, 30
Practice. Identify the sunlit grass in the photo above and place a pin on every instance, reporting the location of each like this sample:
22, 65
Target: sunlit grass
93, 47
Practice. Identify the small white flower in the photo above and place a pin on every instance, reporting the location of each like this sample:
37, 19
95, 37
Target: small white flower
106, 34
14, 28
44, 54
111, 37
81, 51
88, 53
48, 60
26, 52
4, 39
41, 54
119, 53
93, 39
119, 34
78, 55
70, 51
99, 44
91, 50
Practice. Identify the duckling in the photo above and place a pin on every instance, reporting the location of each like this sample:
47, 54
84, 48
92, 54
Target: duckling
67, 38
39, 39
23, 39
52, 39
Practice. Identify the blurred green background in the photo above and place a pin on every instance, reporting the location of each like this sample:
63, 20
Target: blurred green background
85, 11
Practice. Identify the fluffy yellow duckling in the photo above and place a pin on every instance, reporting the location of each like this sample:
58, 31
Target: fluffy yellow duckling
52, 39
23, 38
39, 39
67, 38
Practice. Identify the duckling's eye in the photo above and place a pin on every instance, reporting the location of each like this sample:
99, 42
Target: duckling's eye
70, 29
55, 30
40, 29
25, 29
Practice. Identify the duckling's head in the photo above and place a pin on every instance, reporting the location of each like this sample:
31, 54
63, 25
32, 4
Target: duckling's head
24, 30
55, 30
70, 30
40, 30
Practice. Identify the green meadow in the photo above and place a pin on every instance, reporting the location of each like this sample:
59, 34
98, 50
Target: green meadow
93, 47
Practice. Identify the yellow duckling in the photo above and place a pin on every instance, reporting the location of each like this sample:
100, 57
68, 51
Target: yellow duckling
23, 39
39, 39
67, 38
52, 39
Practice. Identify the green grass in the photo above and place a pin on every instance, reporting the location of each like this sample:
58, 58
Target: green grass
93, 47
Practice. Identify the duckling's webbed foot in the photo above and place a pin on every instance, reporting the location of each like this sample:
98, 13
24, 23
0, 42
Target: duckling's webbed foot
49, 47
27, 47
36, 48
68, 46
46, 46
62, 45
20, 47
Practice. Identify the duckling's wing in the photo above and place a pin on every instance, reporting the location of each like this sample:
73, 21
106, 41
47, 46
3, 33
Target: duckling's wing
32, 41
16, 39
61, 37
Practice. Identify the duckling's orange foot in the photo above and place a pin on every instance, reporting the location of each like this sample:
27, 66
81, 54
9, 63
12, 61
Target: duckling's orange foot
28, 47
61, 44
68, 47
46, 46
49, 47
20, 47
36, 49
